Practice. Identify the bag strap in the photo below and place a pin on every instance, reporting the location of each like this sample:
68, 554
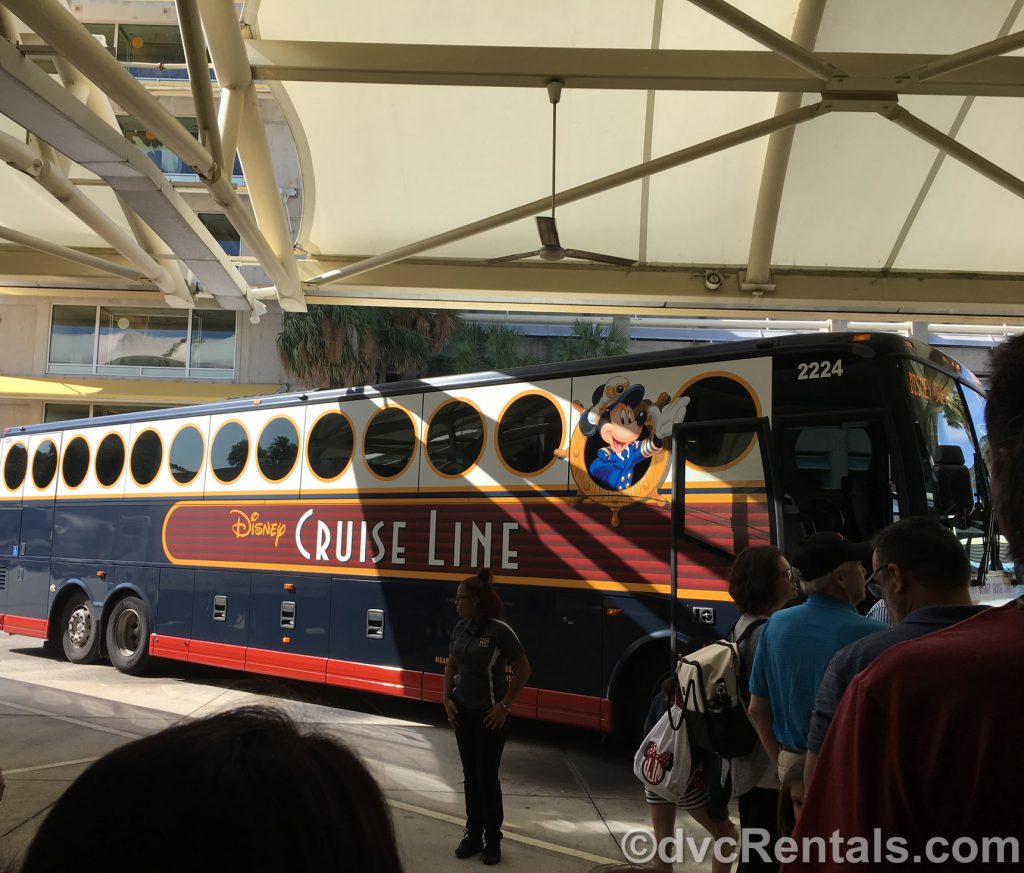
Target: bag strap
748, 630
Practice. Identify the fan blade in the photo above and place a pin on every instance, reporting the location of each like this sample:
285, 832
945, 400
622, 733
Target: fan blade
602, 259
548, 231
518, 257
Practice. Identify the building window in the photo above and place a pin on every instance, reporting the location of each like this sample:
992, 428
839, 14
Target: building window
150, 51
223, 231
130, 341
169, 163
70, 411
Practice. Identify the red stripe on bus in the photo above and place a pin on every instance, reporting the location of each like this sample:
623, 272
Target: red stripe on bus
216, 654
28, 627
371, 677
607, 725
287, 664
161, 646
581, 710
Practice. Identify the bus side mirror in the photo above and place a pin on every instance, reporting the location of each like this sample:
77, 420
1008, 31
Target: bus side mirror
954, 494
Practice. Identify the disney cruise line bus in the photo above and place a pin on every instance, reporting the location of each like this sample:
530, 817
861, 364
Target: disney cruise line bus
321, 535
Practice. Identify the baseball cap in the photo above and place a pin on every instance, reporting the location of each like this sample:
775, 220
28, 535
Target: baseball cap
820, 554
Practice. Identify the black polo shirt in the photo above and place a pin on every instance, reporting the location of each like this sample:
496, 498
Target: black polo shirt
483, 650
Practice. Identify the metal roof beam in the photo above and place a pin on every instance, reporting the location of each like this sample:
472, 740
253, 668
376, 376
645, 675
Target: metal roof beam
617, 69
35, 101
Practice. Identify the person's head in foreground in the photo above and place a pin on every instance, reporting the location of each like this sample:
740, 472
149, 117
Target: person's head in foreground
243, 790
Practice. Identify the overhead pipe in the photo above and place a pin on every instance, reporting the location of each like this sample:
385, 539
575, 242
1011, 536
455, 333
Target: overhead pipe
227, 50
968, 57
59, 28
98, 102
69, 254
9, 26
783, 47
190, 25
946, 143
776, 159
26, 159
580, 192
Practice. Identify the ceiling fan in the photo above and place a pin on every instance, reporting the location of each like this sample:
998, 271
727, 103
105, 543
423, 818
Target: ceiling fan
551, 249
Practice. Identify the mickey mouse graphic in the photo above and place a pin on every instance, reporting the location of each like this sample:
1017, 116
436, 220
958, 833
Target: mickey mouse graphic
616, 416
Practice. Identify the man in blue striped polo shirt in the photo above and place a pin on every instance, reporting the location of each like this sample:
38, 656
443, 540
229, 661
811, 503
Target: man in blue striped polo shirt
795, 648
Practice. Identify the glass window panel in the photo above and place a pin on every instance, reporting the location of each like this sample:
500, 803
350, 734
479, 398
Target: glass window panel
44, 464
142, 337
147, 453
529, 432
15, 466
230, 452
73, 335
389, 443
186, 455
717, 397
106, 34
110, 459
76, 462
102, 409
330, 446
278, 448
149, 43
455, 438
147, 141
65, 411
213, 339
223, 231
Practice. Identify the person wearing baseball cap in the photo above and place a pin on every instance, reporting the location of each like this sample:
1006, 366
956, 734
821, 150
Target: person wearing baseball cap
795, 648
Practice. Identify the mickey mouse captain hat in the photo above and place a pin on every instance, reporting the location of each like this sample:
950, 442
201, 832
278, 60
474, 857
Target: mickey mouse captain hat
615, 391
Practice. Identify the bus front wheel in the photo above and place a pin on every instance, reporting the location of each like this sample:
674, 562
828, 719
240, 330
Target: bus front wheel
80, 634
128, 636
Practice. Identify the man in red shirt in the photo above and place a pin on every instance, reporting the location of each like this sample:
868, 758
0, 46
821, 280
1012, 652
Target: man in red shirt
926, 752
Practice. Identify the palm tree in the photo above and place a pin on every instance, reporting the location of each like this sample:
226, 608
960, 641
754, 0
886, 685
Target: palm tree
479, 347
590, 340
335, 346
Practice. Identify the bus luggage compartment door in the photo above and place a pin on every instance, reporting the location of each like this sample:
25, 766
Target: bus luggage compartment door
290, 617
220, 618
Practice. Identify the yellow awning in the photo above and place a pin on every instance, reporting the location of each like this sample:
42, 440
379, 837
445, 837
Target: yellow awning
93, 390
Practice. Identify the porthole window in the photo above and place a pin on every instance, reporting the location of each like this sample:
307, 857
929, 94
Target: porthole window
76, 462
717, 398
186, 454
44, 464
529, 432
330, 446
277, 449
389, 443
230, 452
147, 453
455, 438
110, 459
15, 466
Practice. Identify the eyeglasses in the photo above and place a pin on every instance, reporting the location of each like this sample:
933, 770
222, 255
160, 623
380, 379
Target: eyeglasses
789, 573
874, 588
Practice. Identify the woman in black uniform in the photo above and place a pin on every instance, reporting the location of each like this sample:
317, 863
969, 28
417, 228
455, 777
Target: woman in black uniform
478, 699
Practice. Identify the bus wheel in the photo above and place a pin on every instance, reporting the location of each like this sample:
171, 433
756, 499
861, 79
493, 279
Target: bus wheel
128, 636
80, 634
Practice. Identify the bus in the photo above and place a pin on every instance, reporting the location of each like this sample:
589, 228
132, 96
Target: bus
321, 535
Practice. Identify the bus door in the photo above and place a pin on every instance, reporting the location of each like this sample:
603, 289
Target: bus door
837, 473
718, 510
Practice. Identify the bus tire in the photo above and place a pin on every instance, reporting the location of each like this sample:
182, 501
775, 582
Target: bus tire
636, 692
80, 631
128, 630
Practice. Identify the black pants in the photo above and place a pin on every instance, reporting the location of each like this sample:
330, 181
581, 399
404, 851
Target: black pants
480, 749
759, 808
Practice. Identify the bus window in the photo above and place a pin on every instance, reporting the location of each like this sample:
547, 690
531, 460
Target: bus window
836, 477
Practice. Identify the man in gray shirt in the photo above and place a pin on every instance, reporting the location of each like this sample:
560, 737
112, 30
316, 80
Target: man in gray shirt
924, 577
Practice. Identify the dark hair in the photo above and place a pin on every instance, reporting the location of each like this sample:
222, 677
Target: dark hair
753, 580
927, 550
488, 603
241, 790
1004, 416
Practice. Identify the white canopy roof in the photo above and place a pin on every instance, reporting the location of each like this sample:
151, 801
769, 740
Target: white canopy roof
415, 119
